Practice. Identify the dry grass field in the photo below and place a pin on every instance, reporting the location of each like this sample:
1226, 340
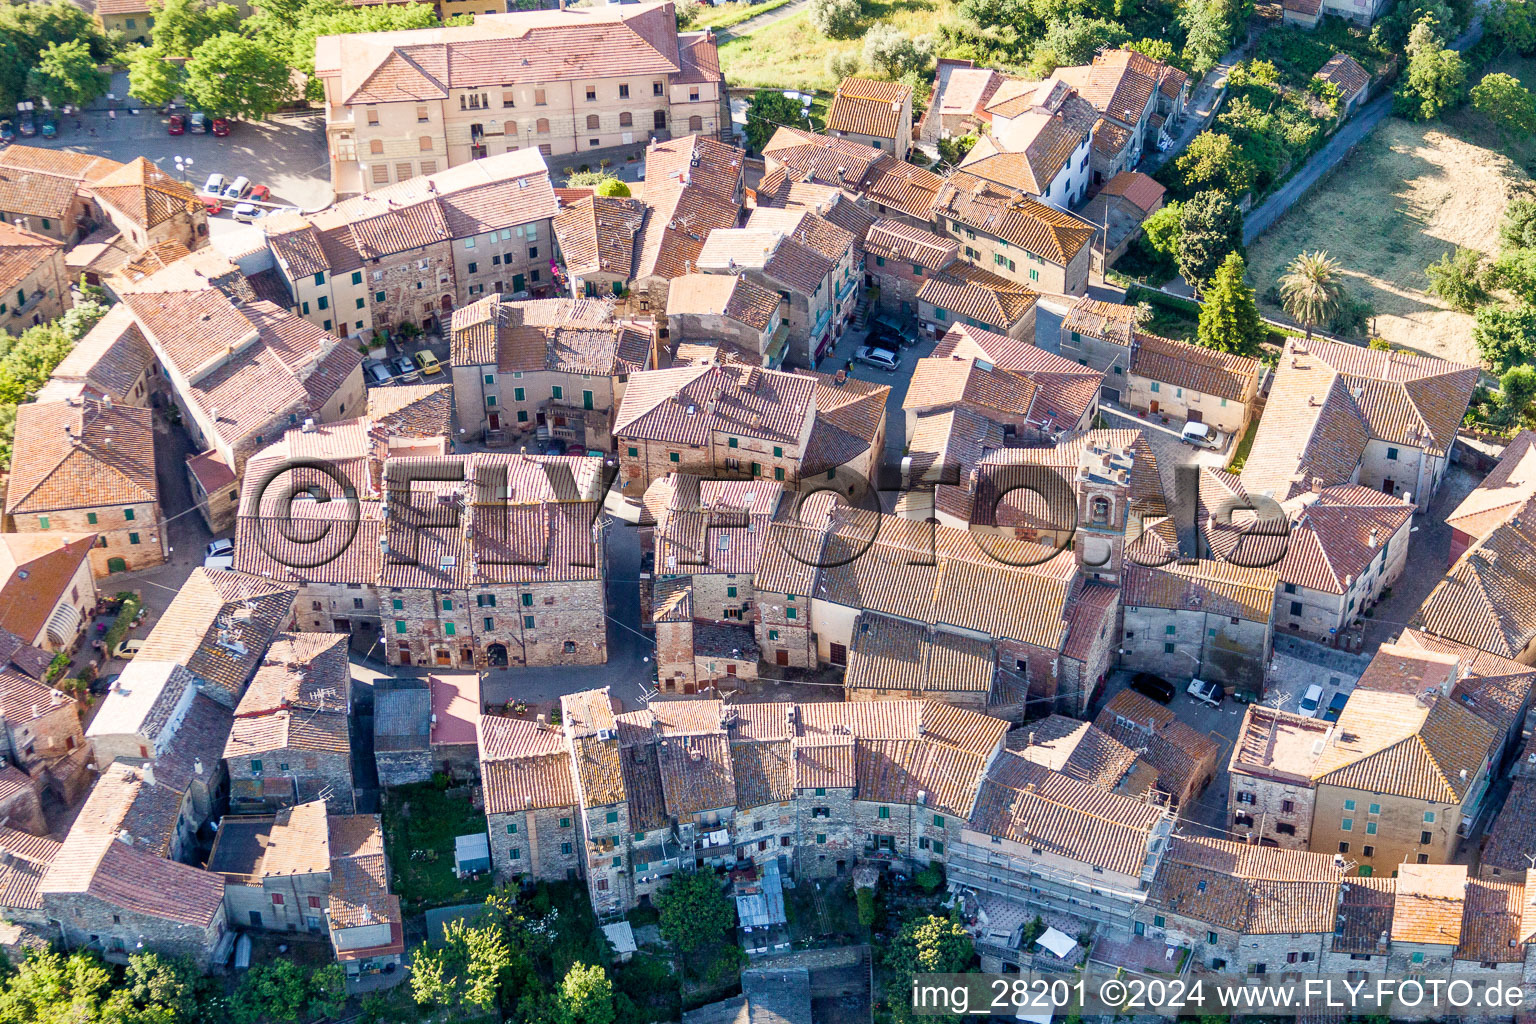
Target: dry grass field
1407, 194
793, 55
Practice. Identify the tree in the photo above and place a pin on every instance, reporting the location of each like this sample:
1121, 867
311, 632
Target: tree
294, 34
284, 991
1310, 288
891, 52
952, 150
1214, 161
67, 73
33, 27
925, 945
1073, 41
1515, 269
181, 26
1157, 49
586, 996
466, 971
1518, 229
232, 76
1210, 227
1513, 22
1436, 75
837, 19
864, 900
1517, 389
842, 65
1504, 101
769, 110
153, 78
693, 911
1458, 279
1211, 26
1229, 316
1162, 231
1505, 337
613, 188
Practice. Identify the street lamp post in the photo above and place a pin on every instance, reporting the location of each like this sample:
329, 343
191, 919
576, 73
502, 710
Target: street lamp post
184, 168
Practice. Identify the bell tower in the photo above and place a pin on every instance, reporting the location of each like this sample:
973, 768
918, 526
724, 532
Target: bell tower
1103, 486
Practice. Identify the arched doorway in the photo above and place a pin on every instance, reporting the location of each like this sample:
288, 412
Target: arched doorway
116, 565
496, 655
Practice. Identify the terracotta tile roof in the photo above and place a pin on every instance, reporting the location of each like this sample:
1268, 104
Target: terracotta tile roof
705, 526
1140, 189
896, 771
824, 763
1330, 398
1054, 393
419, 411
1365, 916
642, 784
525, 767
899, 240
963, 290
864, 106
1393, 743
145, 193
360, 893
699, 58
1111, 321
1033, 138
22, 252
597, 235
135, 880
1512, 833
728, 295
764, 772
24, 860
126, 805
985, 206
1267, 863
1219, 374
70, 456
687, 405
1510, 484
696, 773
1346, 73
698, 161
903, 187
1119, 83
35, 574
1181, 754
807, 228
1210, 897
890, 654
482, 329
967, 90
288, 730
1332, 538
110, 358
1093, 616
1083, 751
1063, 816
542, 46
1217, 588
219, 625
39, 182
1430, 903
1484, 601
194, 750
824, 159
1490, 929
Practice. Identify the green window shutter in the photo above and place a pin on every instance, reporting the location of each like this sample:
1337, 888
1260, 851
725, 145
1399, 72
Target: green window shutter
450, 629
634, 453
133, 538
379, 296
398, 604
42, 522
357, 277
527, 600
399, 626
90, 517
613, 817
128, 514
518, 393
447, 604
778, 452
528, 622
556, 391
490, 624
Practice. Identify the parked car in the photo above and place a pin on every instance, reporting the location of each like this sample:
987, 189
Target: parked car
1310, 700
219, 546
197, 122
259, 193
403, 366
378, 373
1156, 687
245, 213
1336, 707
126, 649
1203, 435
213, 205
50, 126
7, 132
177, 125
237, 188
428, 363
101, 684
555, 446
220, 127
1206, 693
882, 358
214, 186
25, 124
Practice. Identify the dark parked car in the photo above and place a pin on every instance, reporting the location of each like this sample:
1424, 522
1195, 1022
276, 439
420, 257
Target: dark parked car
25, 124
50, 126
1156, 687
1335, 707
402, 366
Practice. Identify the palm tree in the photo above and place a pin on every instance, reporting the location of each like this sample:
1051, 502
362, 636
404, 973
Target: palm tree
1311, 289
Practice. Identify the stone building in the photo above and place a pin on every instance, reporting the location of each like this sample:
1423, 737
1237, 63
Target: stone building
402, 728
1338, 413
581, 80
748, 422
900, 258
47, 191
1209, 620
25, 862
744, 319
290, 741
1140, 101
1500, 494
1010, 234
34, 286
1186, 759
86, 466
892, 659
1274, 762
42, 734
459, 581
547, 367
150, 208
1190, 383
415, 251
367, 929
531, 808
890, 187
966, 294
20, 807
1481, 602
1032, 394
603, 794
111, 362
872, 113
47, 590
276, 869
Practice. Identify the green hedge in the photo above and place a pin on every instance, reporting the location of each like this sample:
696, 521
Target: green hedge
1137, 294
120, 625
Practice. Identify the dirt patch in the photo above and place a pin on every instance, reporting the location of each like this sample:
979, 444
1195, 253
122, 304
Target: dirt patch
1407, 194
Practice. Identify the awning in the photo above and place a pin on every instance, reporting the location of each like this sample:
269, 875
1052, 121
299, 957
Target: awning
64, 624
1059, 943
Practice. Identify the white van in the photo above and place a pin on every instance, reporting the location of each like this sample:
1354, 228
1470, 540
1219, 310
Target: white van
214, 186
238, 188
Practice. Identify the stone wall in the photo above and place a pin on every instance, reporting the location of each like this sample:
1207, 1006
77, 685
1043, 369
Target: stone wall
546, 841
96, 924
403, 767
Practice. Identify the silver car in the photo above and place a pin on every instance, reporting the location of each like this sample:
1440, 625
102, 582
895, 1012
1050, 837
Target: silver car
883, 358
